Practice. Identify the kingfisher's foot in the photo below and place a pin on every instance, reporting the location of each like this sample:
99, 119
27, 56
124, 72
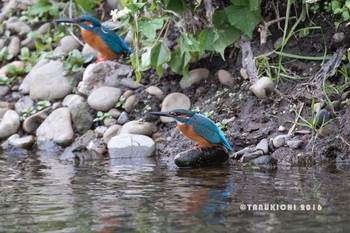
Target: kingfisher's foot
102, 58
197, 147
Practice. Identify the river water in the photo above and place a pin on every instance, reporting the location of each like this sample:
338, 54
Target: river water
39, 193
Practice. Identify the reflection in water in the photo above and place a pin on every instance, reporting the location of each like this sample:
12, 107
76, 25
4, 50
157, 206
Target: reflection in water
38, 193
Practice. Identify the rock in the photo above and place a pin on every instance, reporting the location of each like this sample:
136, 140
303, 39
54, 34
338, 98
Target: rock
17, 25
137, 127
281, 128
16, 64
278, 42
263, 145
82, 119
338, 37
100, 131
22, 142
129, 103
123, 118
131, 145
31, 123
115, 113
3, 110
69, 43
195, 77
5, 104
251, 155
128, 93
28, 42
9, 123
4, 90
14, 46
111, 132
325, 131
25, 85
322, 117
345, 95
109, 122
79, 151
72, 99
57, 127
88, 50
107, 73
225, 78
205, 158
263, 87
104, 98
23, 103
265, 161
279, 141
130, 83
48, 82
155, 91
294, 144
174, 101
244, 74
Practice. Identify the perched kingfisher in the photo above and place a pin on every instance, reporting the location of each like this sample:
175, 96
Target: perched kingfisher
100, 37
198, 128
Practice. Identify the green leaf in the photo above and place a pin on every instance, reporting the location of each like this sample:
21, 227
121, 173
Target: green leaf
243, 18
133, 7
176, 5
150, 27
220, 20
179, 62
160, 54
226, 38
188, 43
254, 5
206, 39
146, 60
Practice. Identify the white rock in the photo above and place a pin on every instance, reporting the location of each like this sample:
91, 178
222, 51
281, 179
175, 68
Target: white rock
155, 91
131, 145
57, 127
263, 87
137, 127
195, 77
72, 99
25, 85
22, 142
111, 132
9, 123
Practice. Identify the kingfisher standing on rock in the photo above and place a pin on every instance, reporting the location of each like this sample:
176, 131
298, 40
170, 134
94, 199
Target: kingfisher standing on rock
198, 128
100, 37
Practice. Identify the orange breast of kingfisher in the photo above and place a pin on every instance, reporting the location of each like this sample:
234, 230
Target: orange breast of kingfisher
189, 132
98, 44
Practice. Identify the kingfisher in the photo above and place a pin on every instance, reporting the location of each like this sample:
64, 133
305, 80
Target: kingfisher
100, 37
198, 127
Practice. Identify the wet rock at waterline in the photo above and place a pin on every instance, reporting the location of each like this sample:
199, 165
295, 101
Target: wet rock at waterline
205, 158
9, 124
32, 122
131, 146
24, 142
57, 127
264, 161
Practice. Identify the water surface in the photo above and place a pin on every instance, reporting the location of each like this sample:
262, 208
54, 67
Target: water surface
39, 193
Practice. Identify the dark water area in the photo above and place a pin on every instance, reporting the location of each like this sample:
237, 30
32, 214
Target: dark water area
39, 193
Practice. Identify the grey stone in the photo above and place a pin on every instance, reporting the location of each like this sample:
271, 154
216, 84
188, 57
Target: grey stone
4, 90
339, 37
2, 43
69, 43
25, 85
137, 127
14, 46
111, 132
28, 42
21, 142
107, 73
225, 78
100, 131
31, 123
23, 103
263, 145
49, 83
17, 25
82, 119
115, 113
322, 117
263, 87
279, 141
265, 161
174, 101
251, 155
109, 122
155, 91
130, 83
104, 98
129, 103
72, 99
9, 123
57, 127
195, 77
44, 28
128, 93
196, 158
295, 144
88, 50
131, 145
123, 118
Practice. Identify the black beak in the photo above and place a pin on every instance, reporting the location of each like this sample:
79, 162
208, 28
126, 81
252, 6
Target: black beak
73, 21
166, 114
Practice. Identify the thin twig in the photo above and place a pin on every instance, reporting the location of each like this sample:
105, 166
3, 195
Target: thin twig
341, 138
296, 119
